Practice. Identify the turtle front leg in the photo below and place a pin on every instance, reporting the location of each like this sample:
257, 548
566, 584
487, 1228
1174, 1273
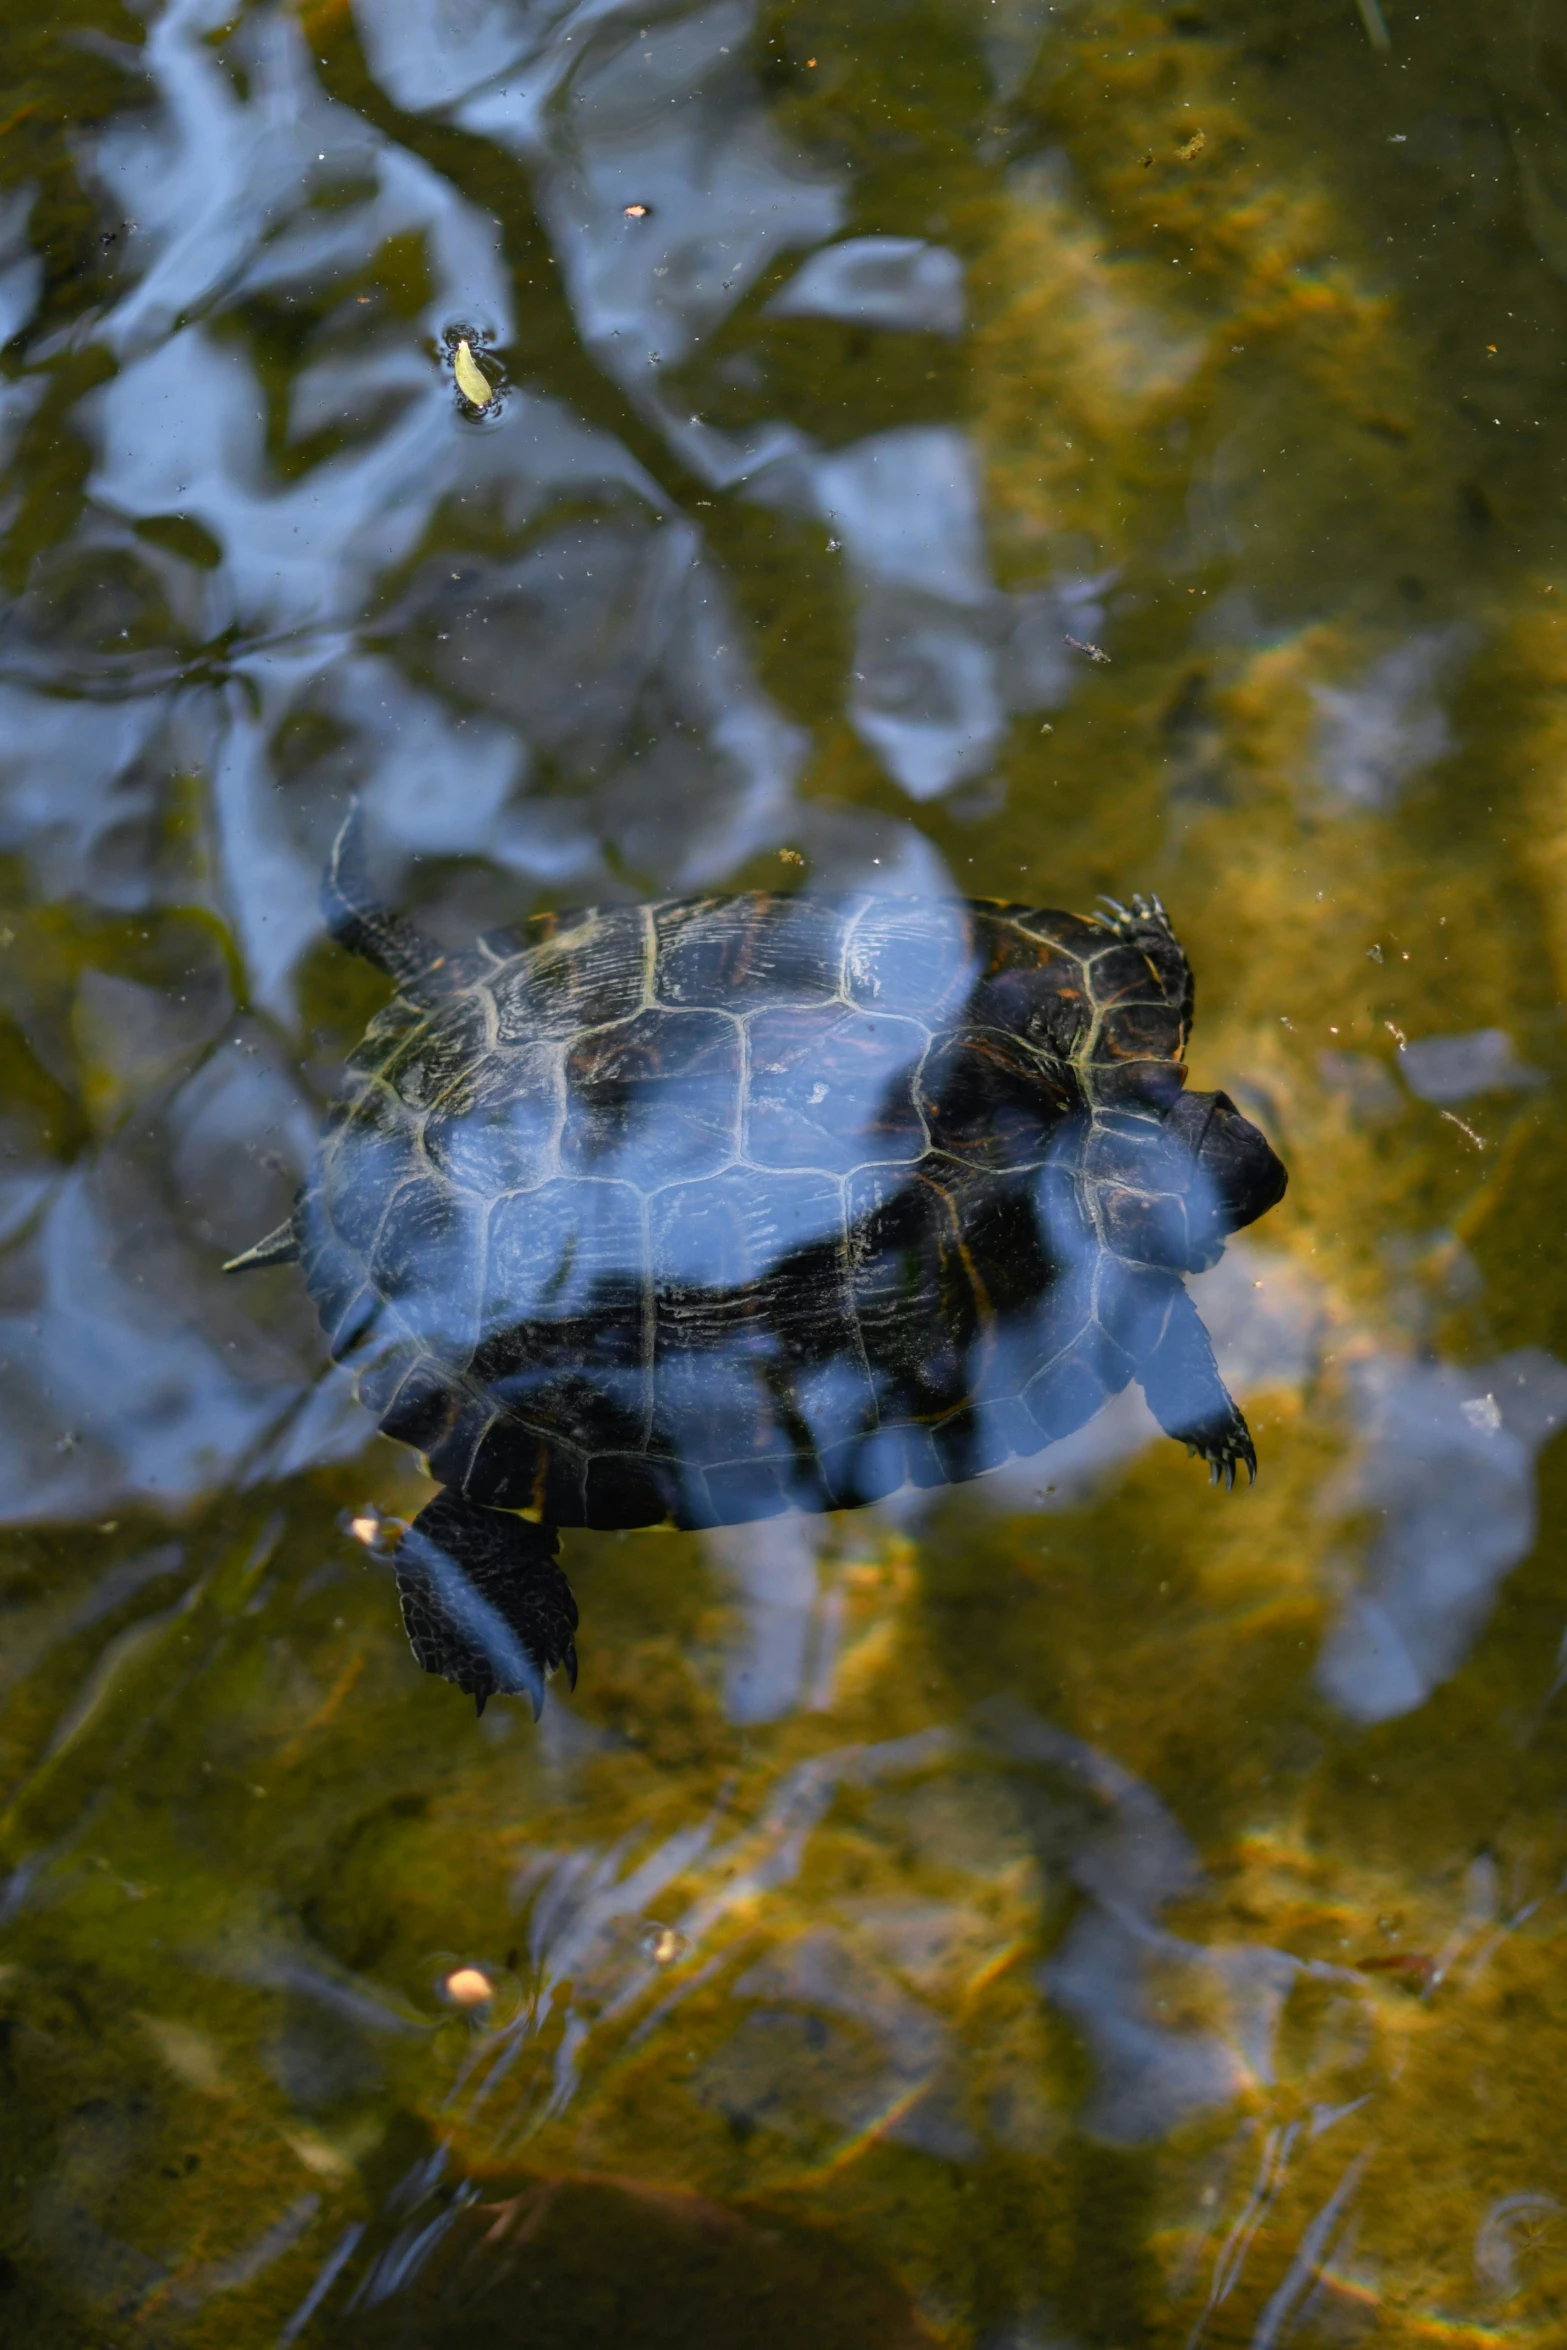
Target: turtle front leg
1188, 1398
484, 1602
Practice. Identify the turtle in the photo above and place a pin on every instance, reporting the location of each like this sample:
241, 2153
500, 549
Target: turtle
686, 1213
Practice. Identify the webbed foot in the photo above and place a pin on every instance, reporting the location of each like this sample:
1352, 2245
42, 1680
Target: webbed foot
484, 1602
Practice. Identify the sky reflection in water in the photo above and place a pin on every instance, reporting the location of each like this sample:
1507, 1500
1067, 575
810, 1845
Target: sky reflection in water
913, 1917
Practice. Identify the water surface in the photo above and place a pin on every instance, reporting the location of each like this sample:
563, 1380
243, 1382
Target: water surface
1025, 450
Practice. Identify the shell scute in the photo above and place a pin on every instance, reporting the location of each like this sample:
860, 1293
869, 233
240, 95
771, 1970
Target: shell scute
1123, 974
1140, 1031
655, 1098
424, 1408
567, 1264
381, 1377
367, 1163
914, 956
833, 1087
835, 1399
1028, 989
505, 1140
990, 1101
913, 1289
390, 1027
738, 1229
512, 1467
922, 1462
507, 1466
590, 972
741, 1490
428, 1265
440, 1055
734, 953
624, 1489
1065, 1395
1076, 935
717, 1412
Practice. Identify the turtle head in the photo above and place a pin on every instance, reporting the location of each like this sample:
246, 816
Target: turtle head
1162, 1187
1242, 1175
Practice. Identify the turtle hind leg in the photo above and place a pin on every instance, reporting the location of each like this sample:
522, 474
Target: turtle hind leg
484, 1602
1189, 1399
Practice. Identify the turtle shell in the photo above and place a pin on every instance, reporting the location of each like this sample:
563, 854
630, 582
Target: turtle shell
687, 1213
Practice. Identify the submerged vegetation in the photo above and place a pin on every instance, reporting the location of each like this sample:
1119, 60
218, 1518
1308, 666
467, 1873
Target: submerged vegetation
1087, 1909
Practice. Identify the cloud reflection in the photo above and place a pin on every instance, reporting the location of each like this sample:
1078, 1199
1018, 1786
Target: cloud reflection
1447, 1460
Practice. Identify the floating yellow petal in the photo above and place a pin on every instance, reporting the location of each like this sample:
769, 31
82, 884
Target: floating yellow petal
472, 381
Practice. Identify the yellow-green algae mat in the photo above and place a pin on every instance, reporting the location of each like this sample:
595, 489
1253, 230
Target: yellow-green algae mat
1078, 1958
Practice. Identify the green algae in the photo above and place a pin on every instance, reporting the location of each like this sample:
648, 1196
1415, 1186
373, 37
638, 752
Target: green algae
253, 1842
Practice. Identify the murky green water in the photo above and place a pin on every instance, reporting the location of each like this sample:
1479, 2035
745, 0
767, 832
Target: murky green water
1029, 450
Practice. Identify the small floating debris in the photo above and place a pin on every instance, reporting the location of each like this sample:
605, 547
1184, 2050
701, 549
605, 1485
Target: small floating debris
637, 211
1466, 1130
1417, 1967
1189, 149
1093, 651
373, 1529
468, 1986
664, 1944
474, 385
790, 857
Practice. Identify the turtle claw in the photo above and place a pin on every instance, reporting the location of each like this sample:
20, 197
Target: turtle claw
1225, 1447
1226, 1451
1141, 912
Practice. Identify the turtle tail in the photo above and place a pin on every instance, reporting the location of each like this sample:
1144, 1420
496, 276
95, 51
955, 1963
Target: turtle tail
356, 919
279, 1248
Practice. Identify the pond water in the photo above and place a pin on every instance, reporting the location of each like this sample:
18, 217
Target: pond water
1021, 450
